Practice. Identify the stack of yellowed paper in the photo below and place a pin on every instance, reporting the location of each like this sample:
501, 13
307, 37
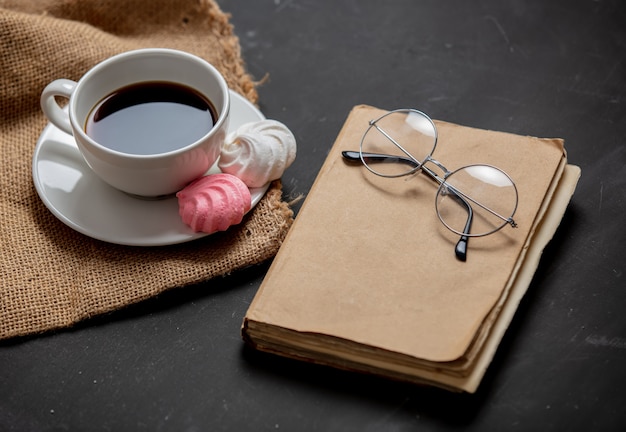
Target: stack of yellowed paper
367, 279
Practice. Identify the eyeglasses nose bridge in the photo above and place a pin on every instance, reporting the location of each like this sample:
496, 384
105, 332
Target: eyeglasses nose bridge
445, 171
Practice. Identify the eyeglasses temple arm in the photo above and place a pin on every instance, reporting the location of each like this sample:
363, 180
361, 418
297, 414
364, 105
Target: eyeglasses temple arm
460, 250
355, 156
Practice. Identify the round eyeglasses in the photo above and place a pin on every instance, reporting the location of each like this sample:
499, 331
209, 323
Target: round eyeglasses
472, 201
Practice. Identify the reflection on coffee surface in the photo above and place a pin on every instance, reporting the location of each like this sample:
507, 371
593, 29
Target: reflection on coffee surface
150, 118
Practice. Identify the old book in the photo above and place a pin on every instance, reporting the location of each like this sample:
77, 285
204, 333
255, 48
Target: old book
367, 279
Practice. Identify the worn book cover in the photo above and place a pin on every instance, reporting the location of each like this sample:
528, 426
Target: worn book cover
367, 278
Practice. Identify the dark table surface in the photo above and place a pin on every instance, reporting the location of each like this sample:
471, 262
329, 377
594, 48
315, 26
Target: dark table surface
542, 68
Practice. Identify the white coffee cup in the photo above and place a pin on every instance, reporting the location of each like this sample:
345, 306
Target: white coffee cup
146, 175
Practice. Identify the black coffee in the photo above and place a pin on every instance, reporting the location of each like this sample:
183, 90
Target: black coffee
150, 118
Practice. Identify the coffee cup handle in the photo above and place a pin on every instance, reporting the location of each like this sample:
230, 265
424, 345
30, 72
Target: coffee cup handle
52, 110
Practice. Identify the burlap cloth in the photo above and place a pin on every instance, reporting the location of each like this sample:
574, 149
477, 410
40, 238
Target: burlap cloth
52, 277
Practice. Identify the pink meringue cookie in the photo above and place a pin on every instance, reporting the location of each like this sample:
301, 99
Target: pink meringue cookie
214, 202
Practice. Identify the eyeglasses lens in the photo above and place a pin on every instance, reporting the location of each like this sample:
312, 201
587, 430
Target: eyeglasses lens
408, 136
488, 191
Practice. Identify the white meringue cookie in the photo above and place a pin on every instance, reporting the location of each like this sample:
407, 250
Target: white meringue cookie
258, 152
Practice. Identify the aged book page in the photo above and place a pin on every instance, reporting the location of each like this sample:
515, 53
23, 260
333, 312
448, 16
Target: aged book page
369, 268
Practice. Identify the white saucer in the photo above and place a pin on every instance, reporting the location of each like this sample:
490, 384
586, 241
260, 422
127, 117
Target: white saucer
74, 194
